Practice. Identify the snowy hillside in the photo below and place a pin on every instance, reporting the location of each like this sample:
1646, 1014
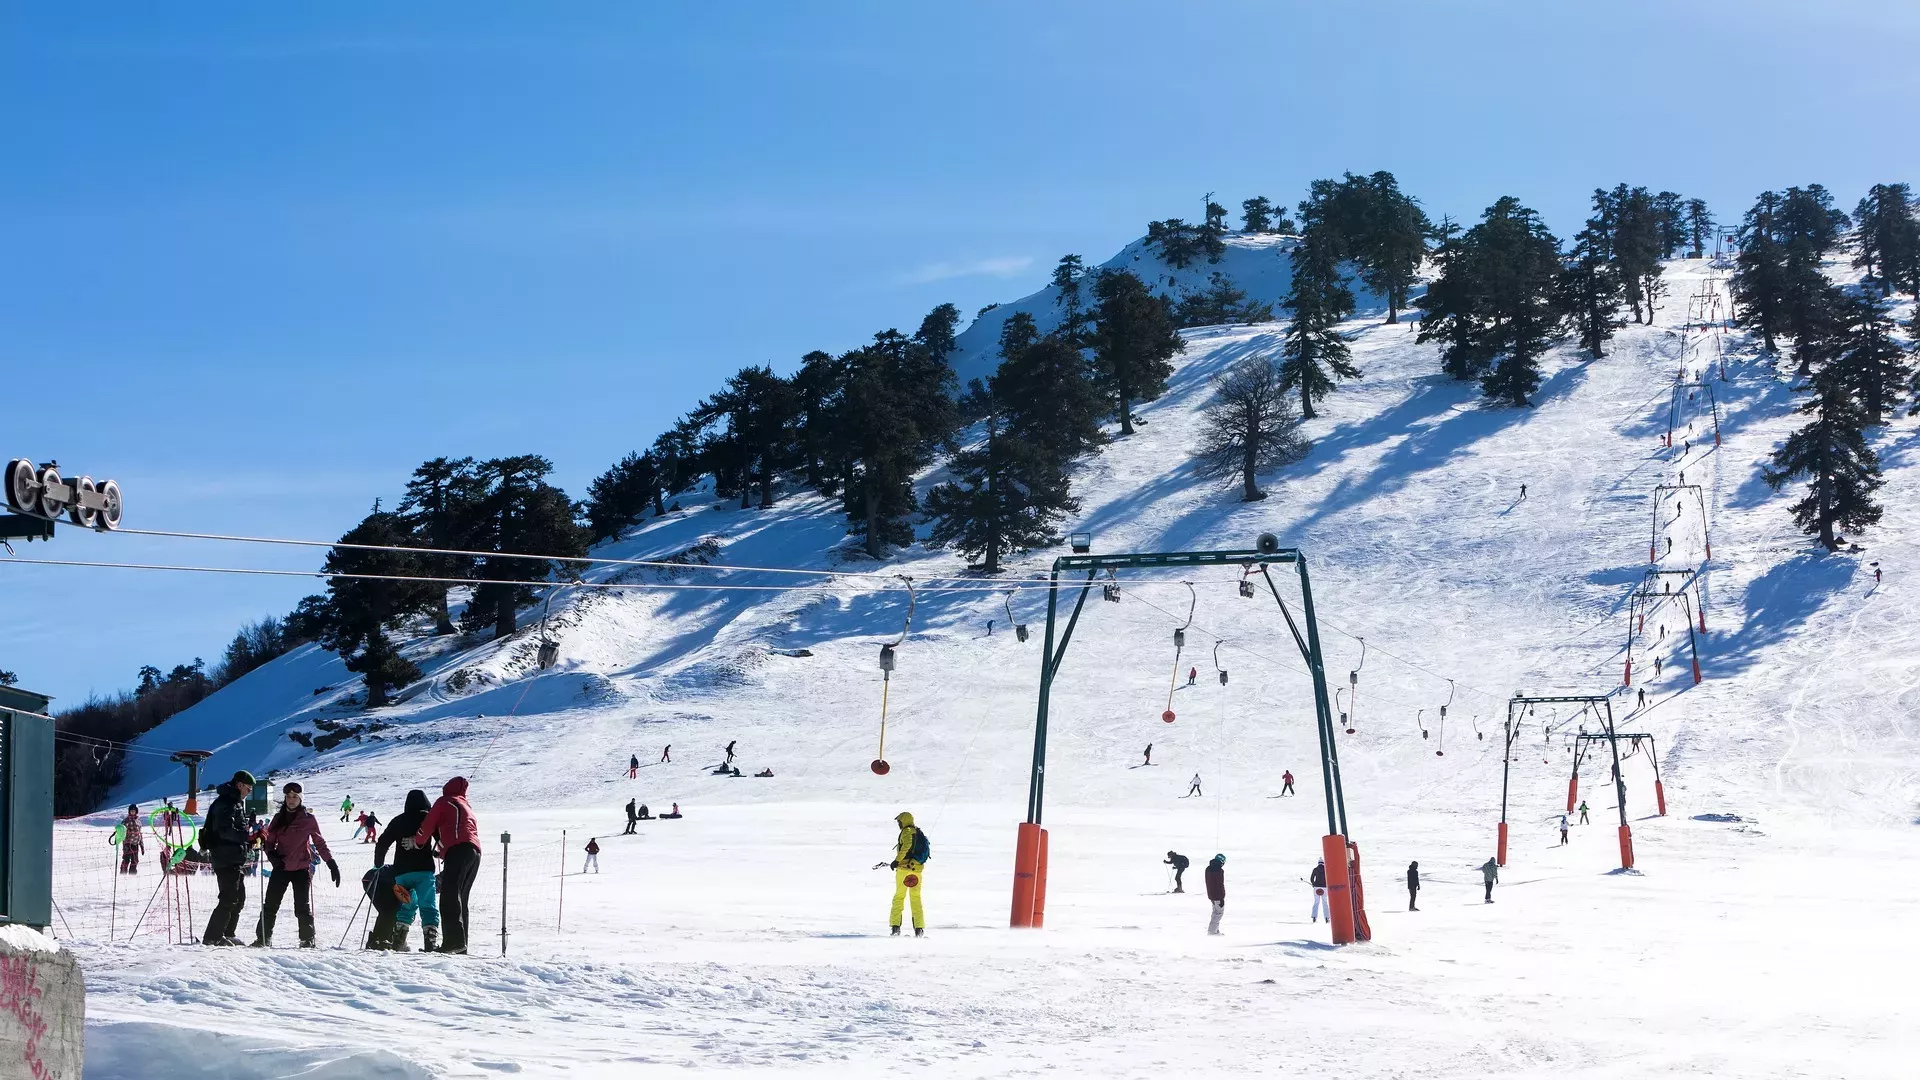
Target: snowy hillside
751, 934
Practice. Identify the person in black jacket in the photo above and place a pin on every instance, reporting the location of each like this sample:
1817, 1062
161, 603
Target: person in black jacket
1179, 863
1217, 891
227, 836
412, 875
632, 816
1413, 886
1318, 879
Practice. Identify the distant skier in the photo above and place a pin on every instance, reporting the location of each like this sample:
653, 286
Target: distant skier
346, 808
909, 865
730, 747
1656, 667
1194, 789
1192, 674
1563, 829
593, 855
674, 815
1490, 873
1149, 755
1523, 493
666, 752
1643, 697
1179, 863
131, 845
632, 816
1217, 891
1413, 886
1876, 573
373, 826
1318, 879
633, 766
1286, 783
1583, 812
989, 627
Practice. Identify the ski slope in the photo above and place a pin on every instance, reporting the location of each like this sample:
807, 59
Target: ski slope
750, 936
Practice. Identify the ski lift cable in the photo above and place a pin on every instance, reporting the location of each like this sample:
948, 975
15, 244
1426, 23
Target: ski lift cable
1179, 645
1489, 695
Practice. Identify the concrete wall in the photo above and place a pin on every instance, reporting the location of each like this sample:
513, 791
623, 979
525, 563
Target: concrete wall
43, 1008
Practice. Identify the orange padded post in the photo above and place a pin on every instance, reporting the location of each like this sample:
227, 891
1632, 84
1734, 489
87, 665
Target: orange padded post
1040, 885
1626, 847
1696, 671
1573, 796
1660, 796
1500, 853
1628, 680
1361, 931
1026, 869
1333, 848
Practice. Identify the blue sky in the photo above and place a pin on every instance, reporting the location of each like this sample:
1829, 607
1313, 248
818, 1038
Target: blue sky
259, 260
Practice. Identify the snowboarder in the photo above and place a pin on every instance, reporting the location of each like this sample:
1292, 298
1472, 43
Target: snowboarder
346, 808
227, 836
1286, 783
675, 815
373, 827
1149, 755
1583, 811
730, 751
291, 839
593, 855
1217, 891
1413, 886
1563, 829
412, 874
1318, 879
666, 753
909, 866
1179, 863
1490, 873
1194, 789
451, 823
631, 818
764, 773
131, 845
1192, 674
633, 766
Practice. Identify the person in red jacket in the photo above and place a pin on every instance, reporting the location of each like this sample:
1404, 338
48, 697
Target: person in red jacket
451, 824
290, 841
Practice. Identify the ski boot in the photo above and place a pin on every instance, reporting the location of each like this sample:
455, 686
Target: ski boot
895, 933
306, 933
398, 942
919, 931
380, 938
432, 942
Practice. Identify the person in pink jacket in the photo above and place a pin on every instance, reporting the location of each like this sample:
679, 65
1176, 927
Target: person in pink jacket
451, 825
290, 841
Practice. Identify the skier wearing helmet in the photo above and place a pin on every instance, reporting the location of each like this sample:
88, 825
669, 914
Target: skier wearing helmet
1217, 891
909, 866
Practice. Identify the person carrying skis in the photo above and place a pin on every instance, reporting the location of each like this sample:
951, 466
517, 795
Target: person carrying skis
1490, 873
730, 747
1179, 863
633, 766
227, 836
1194, 788
1583, 811
909, 865
1286, 783
1318, 879
1149, 755
1413, 886
632, 817
413, 875
593, 855
451, 823
346, 808
1563, 829
131, 845
1217, 891
291, 839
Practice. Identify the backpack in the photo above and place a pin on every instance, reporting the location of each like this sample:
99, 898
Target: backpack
922, 848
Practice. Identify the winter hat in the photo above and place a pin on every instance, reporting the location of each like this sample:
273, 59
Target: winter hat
244, 777
292, 787
1221, 859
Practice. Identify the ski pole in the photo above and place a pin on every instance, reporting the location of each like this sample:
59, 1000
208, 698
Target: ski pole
356, 914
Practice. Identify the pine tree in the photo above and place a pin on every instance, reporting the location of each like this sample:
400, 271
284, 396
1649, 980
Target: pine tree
1588, 293
1832, 454
1393, 242
618, 497
519, 513
1053, 400
361, 610
1067, 275
1179, 243
1257, 214
1314, 354
1636, 231
1888, 237
1493, 306
1223, 302
897, 406
439, 499
755, 414
1862, 350
1760, 278
1699, 226
1670, 215
1134, 340
817, 387
1810, 227
1249, 426
676, 453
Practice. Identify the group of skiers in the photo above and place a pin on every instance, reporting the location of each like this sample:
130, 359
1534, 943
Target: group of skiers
1216, 877
292, 842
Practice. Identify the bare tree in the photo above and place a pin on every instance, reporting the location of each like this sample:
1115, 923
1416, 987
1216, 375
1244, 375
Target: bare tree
1249, 426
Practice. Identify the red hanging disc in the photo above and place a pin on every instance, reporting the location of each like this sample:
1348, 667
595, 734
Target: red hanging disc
1167, 717
880, 767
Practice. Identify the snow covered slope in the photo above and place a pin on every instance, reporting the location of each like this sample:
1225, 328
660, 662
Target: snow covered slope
744, 934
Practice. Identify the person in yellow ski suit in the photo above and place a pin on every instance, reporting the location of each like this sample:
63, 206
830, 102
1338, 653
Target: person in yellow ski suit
907, 876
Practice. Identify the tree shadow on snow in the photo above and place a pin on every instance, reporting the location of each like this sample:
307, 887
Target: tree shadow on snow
1779, 602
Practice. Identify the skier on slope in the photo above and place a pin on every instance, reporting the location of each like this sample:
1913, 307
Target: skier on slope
909, 865
131, 845
1192, 674
412, 874
1413, 886
1194, 788
632, 817
452, 824
346, 808
1523, 493
1583, 811
1217, 892
1318, 879
633, 766
373, 827
1286, 783
291, 839
1490, 873
1149, 755
593, 855
730, 747
1563, 828
227, 837
666, 753
1179, 863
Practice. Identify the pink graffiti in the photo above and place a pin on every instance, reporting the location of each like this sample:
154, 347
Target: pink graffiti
20, 995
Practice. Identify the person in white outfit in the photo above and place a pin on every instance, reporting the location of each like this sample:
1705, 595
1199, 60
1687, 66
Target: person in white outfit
1319, 882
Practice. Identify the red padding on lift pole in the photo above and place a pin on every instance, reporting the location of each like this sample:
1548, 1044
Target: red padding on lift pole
1333, 848
1626, 847
1040, 886
1026, 868
1660, 797
1573, 792
1500, 853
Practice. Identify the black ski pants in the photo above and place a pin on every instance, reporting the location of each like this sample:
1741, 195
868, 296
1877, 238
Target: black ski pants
225, 920
456, 883
1179, 873
301, 881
